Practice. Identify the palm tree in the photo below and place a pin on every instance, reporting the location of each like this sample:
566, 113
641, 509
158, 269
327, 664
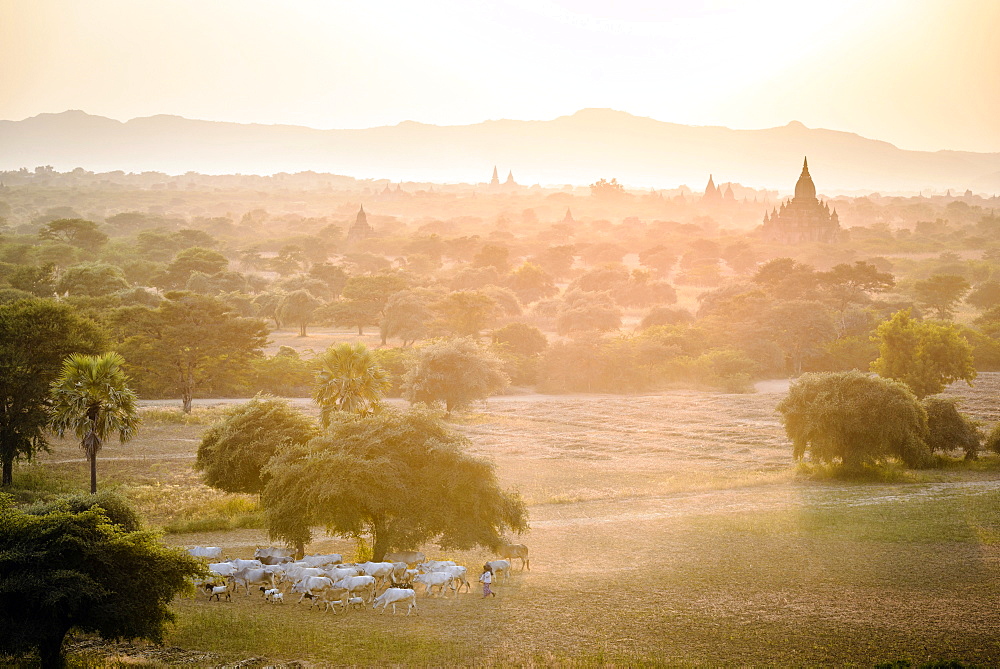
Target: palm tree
349, 379
92, 398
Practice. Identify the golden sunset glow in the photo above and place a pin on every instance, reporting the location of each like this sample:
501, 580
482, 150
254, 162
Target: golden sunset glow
922, 74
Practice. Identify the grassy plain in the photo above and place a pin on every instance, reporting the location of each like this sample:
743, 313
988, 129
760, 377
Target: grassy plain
666, 529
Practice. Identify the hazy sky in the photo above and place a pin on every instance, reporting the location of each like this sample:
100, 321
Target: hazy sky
922, 74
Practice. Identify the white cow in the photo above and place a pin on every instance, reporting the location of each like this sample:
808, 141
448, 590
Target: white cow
322, 560
510, 552
396, 596
501, 569
248, 577
363, 585
435, 579
210, 552
223, 569
311, 585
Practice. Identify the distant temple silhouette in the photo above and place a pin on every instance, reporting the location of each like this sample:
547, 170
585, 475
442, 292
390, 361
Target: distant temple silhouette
509, 184
804, 218
712, 193
361, 229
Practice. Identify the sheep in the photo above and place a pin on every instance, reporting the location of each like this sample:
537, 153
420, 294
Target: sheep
274, 595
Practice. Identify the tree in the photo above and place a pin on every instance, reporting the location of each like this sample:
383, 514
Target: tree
467, 312
35, 337
399, 479
520, 345
801, 328
531, 283
92, 279
492, 255
406, 316
582, 311
188, 341
941, 293
189, 261
64, 569
947, 429
984, 296
233, 452
925, 356
854, 283
787, 279
298, 307
607, 189
455, 371
91, 397
75, 231
39, 280
854, 418
349, 379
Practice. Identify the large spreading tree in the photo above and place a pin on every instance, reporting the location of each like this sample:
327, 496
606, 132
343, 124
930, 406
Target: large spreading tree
91, 398
396, 479
854, 419
36, 335
188, 341
454, 371
233, 452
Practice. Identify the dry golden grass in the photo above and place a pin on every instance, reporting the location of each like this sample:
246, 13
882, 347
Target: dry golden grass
666, 529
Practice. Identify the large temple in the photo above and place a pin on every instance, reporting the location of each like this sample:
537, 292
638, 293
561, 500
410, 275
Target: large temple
804, 218
361, 228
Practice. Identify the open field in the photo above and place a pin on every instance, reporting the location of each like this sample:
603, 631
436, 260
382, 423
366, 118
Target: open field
666, 529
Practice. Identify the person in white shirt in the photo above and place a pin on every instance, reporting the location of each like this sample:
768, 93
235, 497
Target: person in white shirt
486, 579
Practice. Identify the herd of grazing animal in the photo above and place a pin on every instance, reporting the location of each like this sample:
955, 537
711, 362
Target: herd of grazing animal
331, 585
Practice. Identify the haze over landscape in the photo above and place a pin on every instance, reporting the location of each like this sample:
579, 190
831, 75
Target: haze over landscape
554, 333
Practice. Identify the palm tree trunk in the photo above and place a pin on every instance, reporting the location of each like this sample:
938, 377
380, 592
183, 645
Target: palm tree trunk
93, 473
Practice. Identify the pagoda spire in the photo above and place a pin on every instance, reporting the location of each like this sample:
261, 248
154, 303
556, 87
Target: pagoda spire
495, 181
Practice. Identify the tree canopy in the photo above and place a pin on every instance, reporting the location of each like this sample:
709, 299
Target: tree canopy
187, 341
69, 569
399, 479
855, 419
454, 371
233, 452
925, 356
35, 337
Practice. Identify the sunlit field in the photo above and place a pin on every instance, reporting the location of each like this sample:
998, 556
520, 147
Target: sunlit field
666, 529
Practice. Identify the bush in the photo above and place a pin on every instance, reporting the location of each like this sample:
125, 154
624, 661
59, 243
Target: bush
993, 440
118, 509
947, 429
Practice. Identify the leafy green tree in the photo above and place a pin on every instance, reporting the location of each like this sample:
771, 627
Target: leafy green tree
925, 356
787, 279
658, 258
66, 570
189, 261
187, 342
496, 256
233, 452
396, 479
284, 374
948, 429
854, 283
76, 231
333, 276
467, 312
298, 307
39, 280
665, 316
364, 300
555, 260
855, 419
92, 279
91, 397
350, 313
941, 293
35, 337
454, 371
349, 379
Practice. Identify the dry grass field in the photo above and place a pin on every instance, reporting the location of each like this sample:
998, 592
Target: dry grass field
665, 529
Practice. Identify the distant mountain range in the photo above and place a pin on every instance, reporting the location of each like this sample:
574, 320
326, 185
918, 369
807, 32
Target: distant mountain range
578, 149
